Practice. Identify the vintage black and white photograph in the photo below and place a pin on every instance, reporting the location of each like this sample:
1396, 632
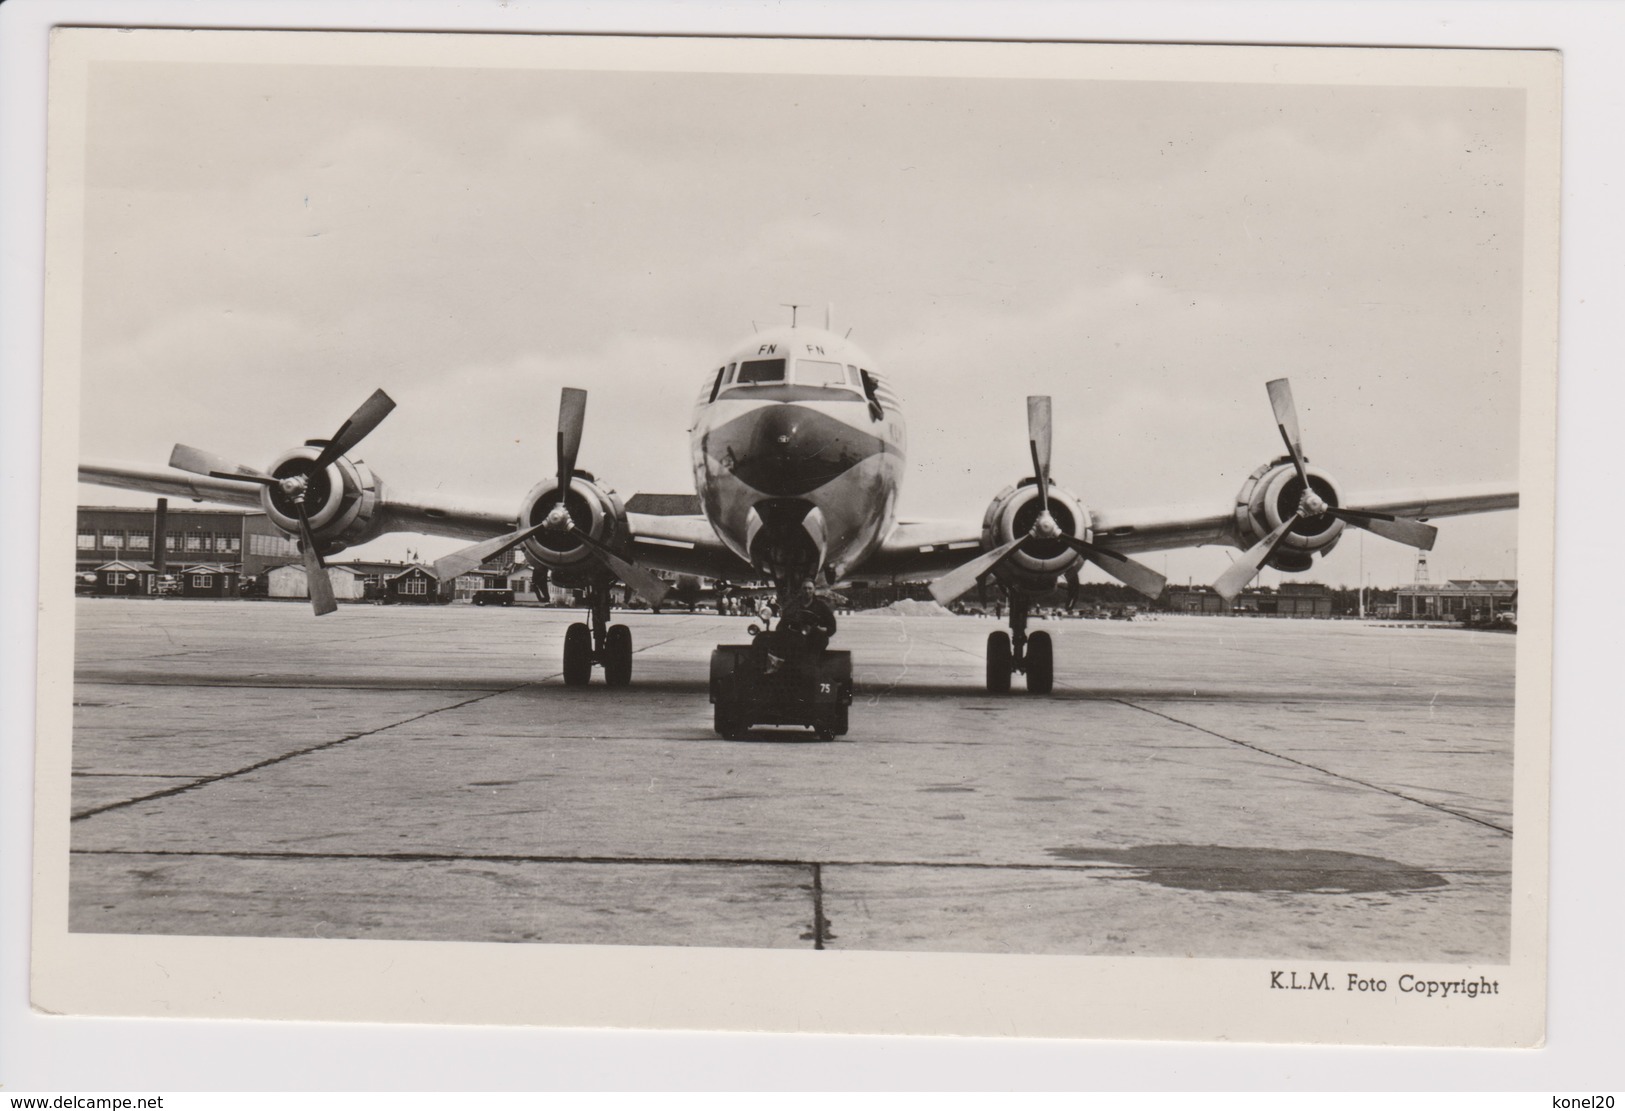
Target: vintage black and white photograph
806, 508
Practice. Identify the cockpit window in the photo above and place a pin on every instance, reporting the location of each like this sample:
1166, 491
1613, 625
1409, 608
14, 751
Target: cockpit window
816, 372
761, 370
852, 376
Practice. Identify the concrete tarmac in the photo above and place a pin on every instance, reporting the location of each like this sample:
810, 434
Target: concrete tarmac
1212, 787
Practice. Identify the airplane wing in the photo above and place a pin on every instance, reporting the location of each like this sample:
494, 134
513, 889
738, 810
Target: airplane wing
687, 545
174, 484
684, 543
428, 516
921, 550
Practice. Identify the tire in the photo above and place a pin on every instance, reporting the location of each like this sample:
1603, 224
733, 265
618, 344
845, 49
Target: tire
577, 655
998, 662
838, 721
618, 656
1040, 664
727, 723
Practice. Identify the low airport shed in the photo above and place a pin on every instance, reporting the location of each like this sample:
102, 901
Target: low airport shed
465, 587
416, 585
290, 582
124, 578
209, 580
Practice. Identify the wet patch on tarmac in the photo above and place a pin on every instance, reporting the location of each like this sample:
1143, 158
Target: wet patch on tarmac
1233, 868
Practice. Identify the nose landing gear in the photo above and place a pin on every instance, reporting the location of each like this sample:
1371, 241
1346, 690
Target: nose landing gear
1033, 655
607, 645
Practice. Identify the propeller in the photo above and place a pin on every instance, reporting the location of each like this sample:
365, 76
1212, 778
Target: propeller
464, 560
320, 586
1119, 566
1310, 504
198, 461
353, 431
359, 425
572, 419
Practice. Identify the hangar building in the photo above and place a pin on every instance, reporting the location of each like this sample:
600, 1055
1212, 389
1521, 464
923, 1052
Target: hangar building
244, 542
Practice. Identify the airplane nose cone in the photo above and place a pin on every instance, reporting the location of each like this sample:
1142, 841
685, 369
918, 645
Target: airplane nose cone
787, 450
779, 432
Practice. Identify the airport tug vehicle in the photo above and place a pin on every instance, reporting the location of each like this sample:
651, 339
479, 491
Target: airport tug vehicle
749, 686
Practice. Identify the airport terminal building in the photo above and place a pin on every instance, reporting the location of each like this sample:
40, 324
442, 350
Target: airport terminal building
1458, 599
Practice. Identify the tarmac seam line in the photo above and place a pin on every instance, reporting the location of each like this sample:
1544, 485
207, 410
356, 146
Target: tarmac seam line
1317, 768
684, 861
207, 780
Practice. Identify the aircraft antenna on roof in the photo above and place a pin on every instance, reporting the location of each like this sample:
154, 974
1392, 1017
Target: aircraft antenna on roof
792, 309
848, 334
829, 315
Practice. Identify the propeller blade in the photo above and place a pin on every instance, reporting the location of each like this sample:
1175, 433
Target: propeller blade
1240, 573
572, 416
1038, 440
463, 561
357, 428
320, 586
1404, 530
961, 579
1072, 588
197, 461
1130, 573
645, 585
1286, 420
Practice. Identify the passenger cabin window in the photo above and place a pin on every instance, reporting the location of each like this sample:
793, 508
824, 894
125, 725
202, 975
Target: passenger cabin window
816, 372
760, 370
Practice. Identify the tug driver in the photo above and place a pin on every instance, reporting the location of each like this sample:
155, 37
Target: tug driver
803, 632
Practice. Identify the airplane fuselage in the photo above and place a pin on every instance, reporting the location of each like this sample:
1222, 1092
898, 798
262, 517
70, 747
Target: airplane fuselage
798, 449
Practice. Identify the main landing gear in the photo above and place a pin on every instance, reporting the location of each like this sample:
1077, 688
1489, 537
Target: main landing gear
603, 643
1034, 654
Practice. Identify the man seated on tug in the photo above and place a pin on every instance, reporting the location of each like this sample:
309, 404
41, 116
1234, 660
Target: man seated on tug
803, 631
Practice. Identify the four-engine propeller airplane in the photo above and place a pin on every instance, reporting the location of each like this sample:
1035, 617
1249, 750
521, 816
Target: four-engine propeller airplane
798, 449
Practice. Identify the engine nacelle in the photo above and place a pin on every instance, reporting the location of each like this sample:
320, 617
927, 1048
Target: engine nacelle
1269, 496
596, 511
1036, 565
342, 502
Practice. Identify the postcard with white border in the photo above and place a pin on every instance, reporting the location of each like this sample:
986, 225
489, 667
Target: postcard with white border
1031, 539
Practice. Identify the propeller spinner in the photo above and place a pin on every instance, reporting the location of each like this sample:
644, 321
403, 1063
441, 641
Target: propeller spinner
296, 486
1311, 505
1120, 567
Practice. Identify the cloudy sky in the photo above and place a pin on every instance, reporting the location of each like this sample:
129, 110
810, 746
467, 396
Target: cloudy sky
266, 244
